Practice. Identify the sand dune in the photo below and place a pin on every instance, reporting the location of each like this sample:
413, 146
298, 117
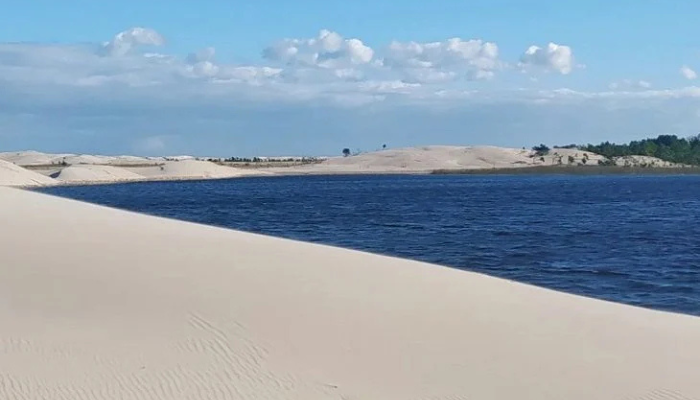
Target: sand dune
101, 169
97, 303
88, 169
431, 158
33, 158
435, 157
12, 175
95, 174
637, 161
191, 169
23, 158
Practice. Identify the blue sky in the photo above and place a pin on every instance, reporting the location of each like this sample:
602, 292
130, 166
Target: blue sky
312, 77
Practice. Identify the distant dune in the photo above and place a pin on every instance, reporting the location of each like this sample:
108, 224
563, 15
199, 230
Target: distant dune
638, 161
431, 158
13, 175
192, 169
35, 158
95, 174
72, 168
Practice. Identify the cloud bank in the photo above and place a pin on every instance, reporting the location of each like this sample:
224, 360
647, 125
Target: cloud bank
127, 95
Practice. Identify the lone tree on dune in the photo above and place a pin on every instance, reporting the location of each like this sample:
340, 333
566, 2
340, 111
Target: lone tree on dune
541, 150
346, 152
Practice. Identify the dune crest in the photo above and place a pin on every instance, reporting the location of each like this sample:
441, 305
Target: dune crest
13, 175
95, 174
191, 169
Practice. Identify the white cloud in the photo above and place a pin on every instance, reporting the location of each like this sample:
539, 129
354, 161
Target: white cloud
118, 89
688, 73
628, 84
123, 42
327, 50
204, 55
441, 61
554, 57
328, 66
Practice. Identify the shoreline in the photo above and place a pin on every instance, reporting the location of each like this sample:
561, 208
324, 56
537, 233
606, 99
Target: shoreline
51, 169
530, 171
575, 170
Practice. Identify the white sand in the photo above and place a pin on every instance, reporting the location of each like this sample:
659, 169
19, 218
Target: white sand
647, 161
431, 158
103, 304
572, 157
96, 174
100, 169
89, 169
33, 158
192, 169
13, 175
23, 158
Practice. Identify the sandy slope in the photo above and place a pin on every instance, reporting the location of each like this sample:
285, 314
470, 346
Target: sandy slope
430, 158
637, 161
12, 175
31, 157
404, 160
192, 169
102, 304
95, 174
23, 158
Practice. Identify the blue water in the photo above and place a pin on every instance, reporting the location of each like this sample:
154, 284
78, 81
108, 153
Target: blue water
631, 239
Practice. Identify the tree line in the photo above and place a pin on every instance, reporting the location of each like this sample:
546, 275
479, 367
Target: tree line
666, 147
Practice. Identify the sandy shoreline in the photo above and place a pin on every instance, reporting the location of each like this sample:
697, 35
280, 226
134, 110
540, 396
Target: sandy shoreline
27, 169
99, 303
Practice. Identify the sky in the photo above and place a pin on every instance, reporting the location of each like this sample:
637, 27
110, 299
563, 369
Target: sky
311, 77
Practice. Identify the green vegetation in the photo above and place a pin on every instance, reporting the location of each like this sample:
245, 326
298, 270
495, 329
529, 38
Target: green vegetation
567, 170
541, 150
666, 147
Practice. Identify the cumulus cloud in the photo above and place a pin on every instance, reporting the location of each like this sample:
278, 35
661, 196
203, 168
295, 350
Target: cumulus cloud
629, 84
554, 57
326, 66
327, 50
125, 41
440, 61
115, 80
82, 96
688, 73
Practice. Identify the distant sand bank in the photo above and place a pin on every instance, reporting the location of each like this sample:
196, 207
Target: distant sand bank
34, 168
98, 303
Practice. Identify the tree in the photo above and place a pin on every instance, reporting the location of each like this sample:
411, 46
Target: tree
666, 147
346, 152
572, 160
384, 147
541, 150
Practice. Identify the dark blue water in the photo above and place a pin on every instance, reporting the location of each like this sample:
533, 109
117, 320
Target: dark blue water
630, 239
